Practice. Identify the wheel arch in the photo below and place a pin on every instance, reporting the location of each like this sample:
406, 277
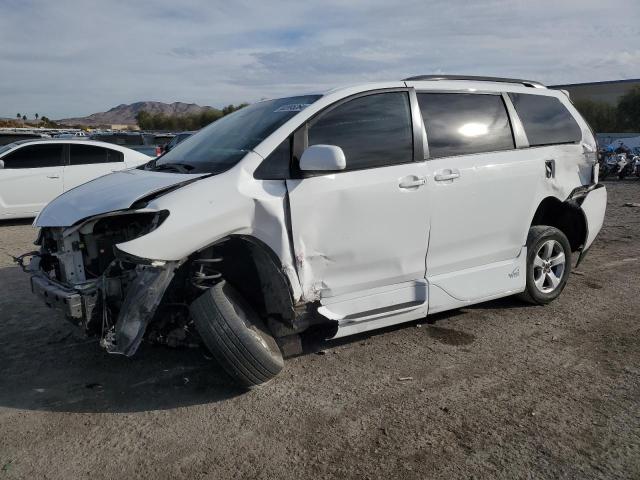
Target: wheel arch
257, 273
566, 216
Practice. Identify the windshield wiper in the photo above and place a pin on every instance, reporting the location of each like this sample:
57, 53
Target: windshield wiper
178, 167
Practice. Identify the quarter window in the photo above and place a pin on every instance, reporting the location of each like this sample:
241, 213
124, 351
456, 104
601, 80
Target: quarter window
463, 123
90, 154
546, 120
373, 131
35, 156
276, 165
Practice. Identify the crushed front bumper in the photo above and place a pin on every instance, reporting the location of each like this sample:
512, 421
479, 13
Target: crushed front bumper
122, 334
76, 306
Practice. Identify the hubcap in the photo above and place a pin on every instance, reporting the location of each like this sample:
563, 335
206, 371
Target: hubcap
548, 266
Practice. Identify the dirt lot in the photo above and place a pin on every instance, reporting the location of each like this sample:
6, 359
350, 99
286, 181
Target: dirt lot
501, 390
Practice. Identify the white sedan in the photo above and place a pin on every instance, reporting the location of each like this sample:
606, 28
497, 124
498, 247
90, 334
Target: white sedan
34, 172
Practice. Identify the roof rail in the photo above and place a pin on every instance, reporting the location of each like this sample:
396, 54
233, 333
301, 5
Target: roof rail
526, 83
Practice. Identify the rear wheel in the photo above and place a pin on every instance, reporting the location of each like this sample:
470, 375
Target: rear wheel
236, 335
548, 264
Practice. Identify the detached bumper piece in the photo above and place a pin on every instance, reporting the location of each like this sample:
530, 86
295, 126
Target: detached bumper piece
75, 306
140, 304
592, 201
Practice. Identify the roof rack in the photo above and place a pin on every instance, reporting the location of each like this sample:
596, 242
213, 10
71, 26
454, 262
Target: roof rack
526, 83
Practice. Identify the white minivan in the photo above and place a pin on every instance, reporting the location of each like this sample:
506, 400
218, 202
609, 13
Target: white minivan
359, 208
34, 172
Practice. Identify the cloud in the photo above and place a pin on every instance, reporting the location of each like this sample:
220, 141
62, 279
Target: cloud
69, 58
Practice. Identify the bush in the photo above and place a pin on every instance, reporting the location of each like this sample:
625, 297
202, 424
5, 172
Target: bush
603, 118
629, 110
160, 121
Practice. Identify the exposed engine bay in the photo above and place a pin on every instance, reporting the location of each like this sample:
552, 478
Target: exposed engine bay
109, 293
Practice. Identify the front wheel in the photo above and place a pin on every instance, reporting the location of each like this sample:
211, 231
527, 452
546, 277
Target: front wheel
236, 335
548, 264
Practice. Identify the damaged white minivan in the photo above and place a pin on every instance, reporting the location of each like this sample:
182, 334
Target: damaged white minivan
356, 209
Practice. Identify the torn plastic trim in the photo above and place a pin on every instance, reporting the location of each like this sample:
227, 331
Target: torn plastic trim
87, 224
127, 257
593, 210
141, 302
581, 257
578, 194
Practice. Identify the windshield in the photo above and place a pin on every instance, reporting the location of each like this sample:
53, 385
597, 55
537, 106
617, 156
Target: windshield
222, 144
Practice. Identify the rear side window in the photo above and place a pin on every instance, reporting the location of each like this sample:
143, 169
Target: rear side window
35, 156
546, 120
465, 123
90, 154
373, 131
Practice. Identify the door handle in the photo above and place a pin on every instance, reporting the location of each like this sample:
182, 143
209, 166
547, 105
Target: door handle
550, 168
412, 182
445, 175
53, 176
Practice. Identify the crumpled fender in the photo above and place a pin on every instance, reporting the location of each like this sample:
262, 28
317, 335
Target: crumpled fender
205, 211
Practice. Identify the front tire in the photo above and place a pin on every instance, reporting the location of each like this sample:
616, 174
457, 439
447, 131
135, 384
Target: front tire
236, 336
548, 264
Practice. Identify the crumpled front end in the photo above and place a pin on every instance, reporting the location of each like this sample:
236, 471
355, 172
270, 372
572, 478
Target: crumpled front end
80, 272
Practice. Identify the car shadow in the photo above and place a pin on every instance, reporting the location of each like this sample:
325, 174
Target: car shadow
315, 339
48, 364
15, 222
501, 303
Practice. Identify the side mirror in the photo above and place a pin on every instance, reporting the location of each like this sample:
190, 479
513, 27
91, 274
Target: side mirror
1, 164
323, 158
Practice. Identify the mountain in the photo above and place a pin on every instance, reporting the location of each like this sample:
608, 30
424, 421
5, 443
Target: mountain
126, 114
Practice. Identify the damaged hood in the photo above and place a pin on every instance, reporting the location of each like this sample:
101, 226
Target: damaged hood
116, 191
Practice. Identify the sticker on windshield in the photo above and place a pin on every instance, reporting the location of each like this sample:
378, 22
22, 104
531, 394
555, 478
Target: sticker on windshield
293, 107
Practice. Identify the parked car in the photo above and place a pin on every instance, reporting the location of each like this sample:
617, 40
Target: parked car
140, 142
34, 172
77, 135
178, 138
361, 208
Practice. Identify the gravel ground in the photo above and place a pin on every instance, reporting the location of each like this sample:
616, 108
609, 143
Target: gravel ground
500, 390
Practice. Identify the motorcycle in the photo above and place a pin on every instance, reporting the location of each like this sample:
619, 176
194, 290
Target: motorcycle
625, 165
608, 166
635, 162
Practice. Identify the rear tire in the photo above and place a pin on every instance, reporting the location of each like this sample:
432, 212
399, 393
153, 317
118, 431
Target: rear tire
236, 336
548, 264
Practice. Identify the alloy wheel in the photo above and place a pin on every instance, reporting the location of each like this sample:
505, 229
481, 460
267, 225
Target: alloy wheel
548, 266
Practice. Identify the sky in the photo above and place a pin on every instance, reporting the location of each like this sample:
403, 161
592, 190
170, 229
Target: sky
69, 58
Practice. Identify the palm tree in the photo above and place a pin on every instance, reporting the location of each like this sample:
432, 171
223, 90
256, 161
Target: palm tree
24, 118
36, 115
18, 116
